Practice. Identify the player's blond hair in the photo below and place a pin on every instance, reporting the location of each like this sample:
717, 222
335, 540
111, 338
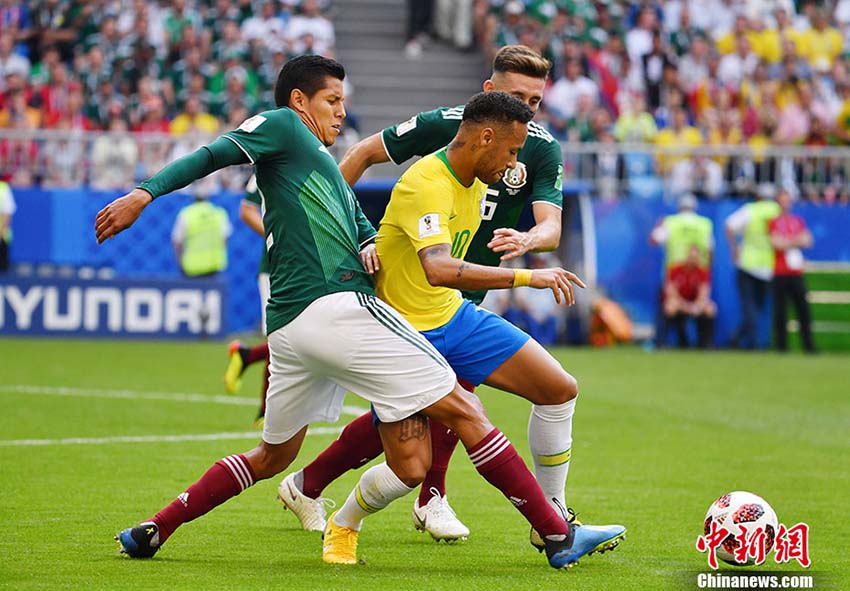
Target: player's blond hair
521, 59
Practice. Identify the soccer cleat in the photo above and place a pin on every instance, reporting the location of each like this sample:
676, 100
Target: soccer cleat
141, 541
235, 366
582, 541
310, 512
535, 538
439, 519
340, 544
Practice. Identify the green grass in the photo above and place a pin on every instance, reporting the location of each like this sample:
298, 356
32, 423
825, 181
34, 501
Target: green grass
657, 437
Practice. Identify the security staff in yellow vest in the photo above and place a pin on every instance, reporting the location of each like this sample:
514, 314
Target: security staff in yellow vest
681, 231
678, 233
7, 209
754, 259
200, 238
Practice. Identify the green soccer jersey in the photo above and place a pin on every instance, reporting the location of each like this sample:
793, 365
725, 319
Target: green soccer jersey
314, 225
537, 176
252, 195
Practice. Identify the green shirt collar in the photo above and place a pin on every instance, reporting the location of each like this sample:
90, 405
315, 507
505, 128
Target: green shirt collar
445, 160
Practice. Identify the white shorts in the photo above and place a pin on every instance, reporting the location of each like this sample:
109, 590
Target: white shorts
349, 342
265, 289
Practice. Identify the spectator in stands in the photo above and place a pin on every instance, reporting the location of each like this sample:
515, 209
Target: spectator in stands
7, 210
193, 119
821, 44
153, 117
114, 157
15, 108
200, 237
699, 175
635, 124
754, 260
419, 16
563, 96
678, 135
312, 22
639, 39
654, 64
64, 156
693, 66
453, 22
788, 235
10, 60
687, 296
266, 28
739, 64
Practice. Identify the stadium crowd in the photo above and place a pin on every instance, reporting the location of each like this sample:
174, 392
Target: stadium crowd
139, 69
675, 73
694, 73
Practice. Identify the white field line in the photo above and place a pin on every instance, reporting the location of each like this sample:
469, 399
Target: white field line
153, 438
34, 390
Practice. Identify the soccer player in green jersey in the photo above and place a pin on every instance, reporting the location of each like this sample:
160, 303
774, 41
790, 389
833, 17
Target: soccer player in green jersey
328, 333
536, 179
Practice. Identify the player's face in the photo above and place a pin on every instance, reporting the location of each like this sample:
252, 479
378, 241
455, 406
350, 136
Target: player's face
500, 154
326, 111
527, 89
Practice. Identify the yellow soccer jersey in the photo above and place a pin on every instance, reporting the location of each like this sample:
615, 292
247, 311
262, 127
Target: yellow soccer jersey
428, 206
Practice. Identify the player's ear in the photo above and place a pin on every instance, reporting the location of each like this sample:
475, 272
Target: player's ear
486, 136
488, 85
297, 99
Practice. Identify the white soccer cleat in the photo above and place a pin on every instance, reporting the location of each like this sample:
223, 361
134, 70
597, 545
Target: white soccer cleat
310, 512
439, 519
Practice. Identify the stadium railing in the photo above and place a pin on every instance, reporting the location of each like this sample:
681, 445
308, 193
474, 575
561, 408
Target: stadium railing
67, 159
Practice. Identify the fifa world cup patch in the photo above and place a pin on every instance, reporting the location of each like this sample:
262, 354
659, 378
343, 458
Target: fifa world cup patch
429, 225
404, 127
252, 123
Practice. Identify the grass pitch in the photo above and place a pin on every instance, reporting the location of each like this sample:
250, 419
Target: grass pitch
657, 437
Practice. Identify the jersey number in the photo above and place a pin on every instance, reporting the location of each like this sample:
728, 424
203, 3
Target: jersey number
489, 206
459, 243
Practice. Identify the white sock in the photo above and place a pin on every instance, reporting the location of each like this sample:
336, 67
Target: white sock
377, 488
550, 437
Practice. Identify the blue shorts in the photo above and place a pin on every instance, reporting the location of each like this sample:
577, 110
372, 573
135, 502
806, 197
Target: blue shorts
475, 342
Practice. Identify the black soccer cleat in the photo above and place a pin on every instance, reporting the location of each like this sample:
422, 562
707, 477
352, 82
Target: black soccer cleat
141, 541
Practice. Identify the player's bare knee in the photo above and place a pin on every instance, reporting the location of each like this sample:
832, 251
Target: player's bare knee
268, 460
411, 470
564, 389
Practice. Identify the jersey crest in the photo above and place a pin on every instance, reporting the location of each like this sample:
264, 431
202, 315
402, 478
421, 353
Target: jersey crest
515, 178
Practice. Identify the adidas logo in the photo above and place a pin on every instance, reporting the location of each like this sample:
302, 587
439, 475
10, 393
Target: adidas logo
184, 498
517, 501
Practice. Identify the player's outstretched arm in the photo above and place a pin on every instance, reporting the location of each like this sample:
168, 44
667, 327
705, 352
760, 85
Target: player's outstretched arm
442, 269
124, 211
361, 156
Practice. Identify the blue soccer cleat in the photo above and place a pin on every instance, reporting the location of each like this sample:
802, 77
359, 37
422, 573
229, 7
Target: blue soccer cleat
141, 541
583, 540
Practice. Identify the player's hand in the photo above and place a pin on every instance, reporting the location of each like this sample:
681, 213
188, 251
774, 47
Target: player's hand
120, 214
560, 281
369, 258
511, 242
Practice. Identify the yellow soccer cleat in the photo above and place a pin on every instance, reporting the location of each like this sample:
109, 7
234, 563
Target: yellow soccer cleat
340, 544
233, 373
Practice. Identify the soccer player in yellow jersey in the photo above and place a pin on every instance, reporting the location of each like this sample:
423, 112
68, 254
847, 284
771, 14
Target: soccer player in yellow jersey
435, 208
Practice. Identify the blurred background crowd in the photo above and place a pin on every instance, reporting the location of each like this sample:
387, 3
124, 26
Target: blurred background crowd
678, 77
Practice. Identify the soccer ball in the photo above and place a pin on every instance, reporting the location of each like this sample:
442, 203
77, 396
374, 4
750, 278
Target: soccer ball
736, 509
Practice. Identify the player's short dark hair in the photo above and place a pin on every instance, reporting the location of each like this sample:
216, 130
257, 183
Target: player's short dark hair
496, 107
521, 59
307, 73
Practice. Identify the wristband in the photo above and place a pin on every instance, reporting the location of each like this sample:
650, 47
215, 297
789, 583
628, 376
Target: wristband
522, 277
